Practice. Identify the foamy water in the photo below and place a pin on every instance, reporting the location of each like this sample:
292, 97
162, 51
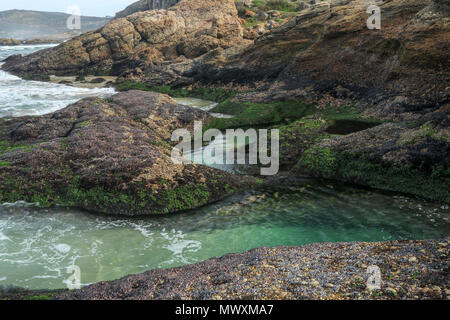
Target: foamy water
38, 245
20, 97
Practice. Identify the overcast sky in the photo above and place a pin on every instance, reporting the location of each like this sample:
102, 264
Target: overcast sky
99, 8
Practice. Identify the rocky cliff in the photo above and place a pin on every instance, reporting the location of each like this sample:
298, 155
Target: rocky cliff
329, 45
328, 57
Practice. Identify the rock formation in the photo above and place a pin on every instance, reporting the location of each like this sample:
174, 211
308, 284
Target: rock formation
329, 45
325, 55
14, 42
107, 156
188, 29
113, 156
400, 74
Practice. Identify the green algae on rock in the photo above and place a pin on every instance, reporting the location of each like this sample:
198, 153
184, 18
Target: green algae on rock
380, 158
108, 156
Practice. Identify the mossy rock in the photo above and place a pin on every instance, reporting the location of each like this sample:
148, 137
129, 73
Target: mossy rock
375, 159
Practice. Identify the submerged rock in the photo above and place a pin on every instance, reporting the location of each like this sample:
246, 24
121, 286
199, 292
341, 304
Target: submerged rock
108, 156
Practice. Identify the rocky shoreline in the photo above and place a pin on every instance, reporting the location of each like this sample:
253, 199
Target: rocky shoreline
327, 271
397, 78
409, 270
317, 73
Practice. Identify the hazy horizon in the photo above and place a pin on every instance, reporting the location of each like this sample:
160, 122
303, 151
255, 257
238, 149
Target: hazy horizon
98, 8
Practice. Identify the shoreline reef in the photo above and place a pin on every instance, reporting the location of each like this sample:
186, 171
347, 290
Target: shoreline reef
409, 270
364, 107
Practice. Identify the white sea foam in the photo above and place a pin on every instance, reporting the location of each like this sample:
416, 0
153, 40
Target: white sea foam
19, 97
3, 237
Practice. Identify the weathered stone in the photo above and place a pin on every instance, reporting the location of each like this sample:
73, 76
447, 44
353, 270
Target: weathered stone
189, 28
262, 16
272, 24
411, 158
327, 46
108, 156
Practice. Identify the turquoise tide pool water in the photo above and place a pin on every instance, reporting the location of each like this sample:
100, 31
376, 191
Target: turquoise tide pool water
36, 245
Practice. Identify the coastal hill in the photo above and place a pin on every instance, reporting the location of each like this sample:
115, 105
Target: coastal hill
26, 24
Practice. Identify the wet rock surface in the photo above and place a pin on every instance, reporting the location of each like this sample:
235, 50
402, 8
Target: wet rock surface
325, 55
108, 156
408, 269
328, 48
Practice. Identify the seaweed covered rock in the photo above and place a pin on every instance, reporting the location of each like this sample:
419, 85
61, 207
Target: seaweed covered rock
410, 157
108, 156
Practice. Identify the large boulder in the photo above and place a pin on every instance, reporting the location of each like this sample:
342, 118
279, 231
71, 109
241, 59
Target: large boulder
400, 75
108, 156
188, 29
